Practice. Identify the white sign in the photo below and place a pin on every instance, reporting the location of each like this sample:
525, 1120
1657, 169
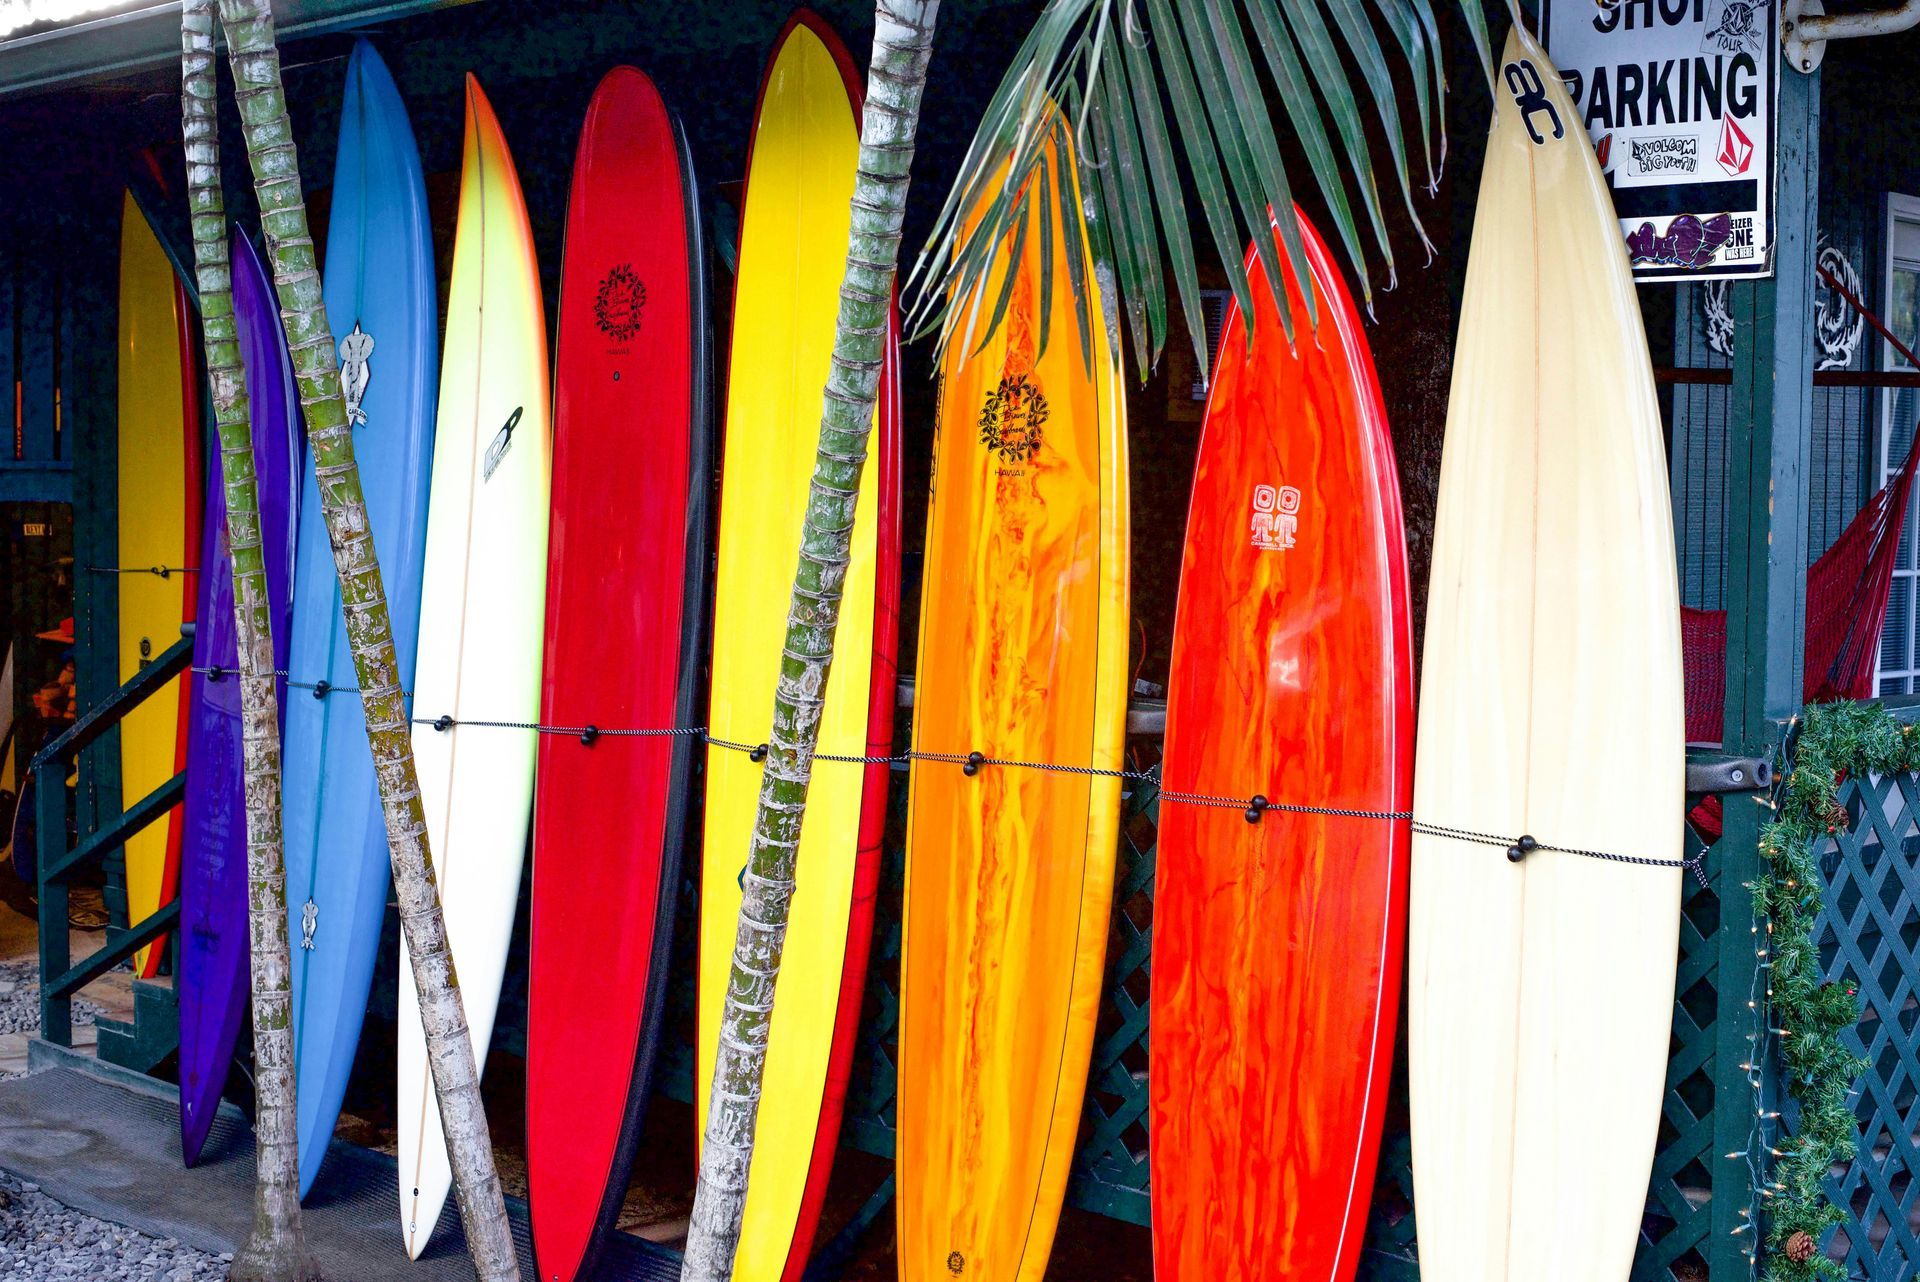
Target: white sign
1678, 97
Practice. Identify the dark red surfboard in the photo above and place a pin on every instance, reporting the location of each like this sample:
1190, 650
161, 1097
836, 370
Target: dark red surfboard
625, 642
1277, 944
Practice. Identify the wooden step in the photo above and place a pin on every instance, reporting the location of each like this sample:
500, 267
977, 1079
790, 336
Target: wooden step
153, 1034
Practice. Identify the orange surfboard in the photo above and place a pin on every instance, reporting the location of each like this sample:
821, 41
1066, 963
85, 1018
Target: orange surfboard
1277, 943
1023, 653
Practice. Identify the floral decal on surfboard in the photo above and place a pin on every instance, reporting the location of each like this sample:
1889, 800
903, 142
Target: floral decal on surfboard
618, 306
1013, 419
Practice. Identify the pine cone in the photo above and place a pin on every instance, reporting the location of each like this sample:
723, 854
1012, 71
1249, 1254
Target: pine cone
1800, 1247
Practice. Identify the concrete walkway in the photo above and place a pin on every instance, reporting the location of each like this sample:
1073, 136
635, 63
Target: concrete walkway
106, 1142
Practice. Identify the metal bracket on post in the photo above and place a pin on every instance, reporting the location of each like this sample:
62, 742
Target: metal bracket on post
1805, 28
1803, 49
1716, 773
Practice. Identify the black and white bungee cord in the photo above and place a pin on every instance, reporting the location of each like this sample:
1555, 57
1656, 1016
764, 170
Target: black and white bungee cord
157, 571
971, 763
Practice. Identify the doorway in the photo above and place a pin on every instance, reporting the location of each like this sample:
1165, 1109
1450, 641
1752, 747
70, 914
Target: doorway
36, 668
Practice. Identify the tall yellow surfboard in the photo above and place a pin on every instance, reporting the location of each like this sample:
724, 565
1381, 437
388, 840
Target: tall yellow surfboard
159, 505
793, 245
1009, 881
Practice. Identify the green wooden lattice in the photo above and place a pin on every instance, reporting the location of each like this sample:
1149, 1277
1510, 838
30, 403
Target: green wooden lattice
1869, 937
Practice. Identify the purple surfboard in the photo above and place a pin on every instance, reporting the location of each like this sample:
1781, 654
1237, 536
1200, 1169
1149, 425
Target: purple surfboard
213, 972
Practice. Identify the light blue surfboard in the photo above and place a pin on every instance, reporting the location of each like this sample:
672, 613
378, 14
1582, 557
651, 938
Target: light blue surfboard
383, 307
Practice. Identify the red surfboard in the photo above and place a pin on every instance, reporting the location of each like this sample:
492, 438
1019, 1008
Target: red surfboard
1277, 942
625, 647
191, 353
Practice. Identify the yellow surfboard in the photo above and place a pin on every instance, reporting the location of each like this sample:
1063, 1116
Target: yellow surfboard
1023, 652
793, 246
159, 508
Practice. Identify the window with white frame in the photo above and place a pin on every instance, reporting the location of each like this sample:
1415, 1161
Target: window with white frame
1899, 408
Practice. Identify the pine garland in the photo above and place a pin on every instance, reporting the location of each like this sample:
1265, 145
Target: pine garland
1836, 741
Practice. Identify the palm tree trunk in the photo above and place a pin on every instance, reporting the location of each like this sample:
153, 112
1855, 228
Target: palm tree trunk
296, 277
896, 78
277, 1249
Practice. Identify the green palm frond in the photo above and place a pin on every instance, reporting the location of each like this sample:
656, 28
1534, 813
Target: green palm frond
1175, 103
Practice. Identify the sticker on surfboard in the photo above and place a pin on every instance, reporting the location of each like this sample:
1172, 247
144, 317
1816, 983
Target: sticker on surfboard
1530, 95
356, 371
1276, 517
1012, 421
620, 303
502, 440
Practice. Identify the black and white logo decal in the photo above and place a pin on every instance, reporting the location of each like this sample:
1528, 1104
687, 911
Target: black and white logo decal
1013, 418
501, 440
618, 306
1523, 81
356, 371
1735, 27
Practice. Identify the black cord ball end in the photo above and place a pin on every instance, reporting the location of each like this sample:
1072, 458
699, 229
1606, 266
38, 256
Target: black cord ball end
758, 753
1521, 849
443, 723
215, 672
974, 761
321, 689
589, 734
1256, 808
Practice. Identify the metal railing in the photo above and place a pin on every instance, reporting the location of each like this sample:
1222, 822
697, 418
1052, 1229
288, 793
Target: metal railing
57, 863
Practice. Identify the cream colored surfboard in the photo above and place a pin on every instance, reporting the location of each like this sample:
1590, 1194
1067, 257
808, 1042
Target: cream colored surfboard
482, 628
1541, 992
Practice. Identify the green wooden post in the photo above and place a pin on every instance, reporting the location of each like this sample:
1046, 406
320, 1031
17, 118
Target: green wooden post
1768, 456
50, 818
91, 408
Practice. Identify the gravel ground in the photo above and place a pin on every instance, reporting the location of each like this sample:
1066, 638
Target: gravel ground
41, 1240
20, 1000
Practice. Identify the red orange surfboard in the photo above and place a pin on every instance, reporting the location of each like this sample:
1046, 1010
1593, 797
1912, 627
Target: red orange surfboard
1277, 944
